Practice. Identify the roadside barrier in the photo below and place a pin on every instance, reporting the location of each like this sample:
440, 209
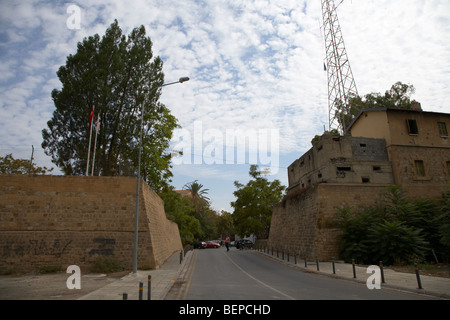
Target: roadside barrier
141, 290
280, 254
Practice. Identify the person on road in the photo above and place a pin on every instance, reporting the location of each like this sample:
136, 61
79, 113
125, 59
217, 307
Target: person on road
227, 243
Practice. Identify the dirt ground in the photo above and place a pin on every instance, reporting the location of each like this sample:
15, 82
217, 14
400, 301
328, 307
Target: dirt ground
52, 286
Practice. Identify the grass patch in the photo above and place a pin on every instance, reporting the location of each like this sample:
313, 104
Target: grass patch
106, 264
49, 269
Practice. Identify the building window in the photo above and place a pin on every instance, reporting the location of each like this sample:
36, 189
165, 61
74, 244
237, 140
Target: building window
420, 168
412, 126
442, 129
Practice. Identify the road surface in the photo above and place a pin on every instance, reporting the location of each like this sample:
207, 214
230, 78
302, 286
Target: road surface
215, 274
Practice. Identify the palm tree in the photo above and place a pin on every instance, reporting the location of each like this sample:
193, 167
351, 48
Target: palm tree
198, 195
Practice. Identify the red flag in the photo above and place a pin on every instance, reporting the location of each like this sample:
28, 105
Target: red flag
91, 116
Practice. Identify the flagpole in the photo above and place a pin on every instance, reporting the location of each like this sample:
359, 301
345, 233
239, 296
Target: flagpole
97, 126
90, 137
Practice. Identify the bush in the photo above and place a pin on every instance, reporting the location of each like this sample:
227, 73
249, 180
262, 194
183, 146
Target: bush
395, 242
106, 264
398, 230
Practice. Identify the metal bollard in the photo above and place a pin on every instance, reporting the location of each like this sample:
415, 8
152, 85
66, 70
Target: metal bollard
181, 256
149, 287
125, 296
354, 269
317, 264
419, 283
332, 263
141, 290
382, 272
295, 258
288, 256
306, 263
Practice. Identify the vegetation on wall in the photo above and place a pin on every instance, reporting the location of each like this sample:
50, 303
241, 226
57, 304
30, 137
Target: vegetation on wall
397, 230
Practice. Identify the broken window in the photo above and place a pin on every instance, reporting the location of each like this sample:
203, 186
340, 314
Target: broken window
420, 168
412, 126
442, 129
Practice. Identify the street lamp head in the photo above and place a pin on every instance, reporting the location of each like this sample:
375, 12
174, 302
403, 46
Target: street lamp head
183, 79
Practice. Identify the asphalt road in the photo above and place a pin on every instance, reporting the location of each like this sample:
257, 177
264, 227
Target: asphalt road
215, 274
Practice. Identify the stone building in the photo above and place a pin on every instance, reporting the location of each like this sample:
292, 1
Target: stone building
386, 147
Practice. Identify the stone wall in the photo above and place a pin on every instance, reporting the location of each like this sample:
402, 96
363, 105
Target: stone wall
65, 220
303, 222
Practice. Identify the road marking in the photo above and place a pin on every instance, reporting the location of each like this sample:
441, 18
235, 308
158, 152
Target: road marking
257, 280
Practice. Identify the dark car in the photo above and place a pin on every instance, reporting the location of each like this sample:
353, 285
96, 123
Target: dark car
199, 245
244, 244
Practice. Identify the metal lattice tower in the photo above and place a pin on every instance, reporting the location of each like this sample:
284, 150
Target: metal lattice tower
341, 85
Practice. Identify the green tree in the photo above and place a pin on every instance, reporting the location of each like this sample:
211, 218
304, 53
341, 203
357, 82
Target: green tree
397, 229
180, 210
9, 165
225, 224
198, 195
397, 97
115, 75
254, 203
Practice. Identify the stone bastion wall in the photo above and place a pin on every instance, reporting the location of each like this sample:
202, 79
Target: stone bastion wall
72, 220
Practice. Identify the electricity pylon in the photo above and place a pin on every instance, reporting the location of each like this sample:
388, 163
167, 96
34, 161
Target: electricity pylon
341, 84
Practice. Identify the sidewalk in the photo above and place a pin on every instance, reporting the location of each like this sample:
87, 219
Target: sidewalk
434, 286
162, 280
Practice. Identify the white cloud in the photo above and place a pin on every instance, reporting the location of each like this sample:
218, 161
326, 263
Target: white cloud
252, 64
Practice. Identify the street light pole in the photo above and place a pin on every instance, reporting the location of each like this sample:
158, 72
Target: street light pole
136, 222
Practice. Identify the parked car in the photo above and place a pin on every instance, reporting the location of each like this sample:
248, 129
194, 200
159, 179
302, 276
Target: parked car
199, 245
210, 244
244, 243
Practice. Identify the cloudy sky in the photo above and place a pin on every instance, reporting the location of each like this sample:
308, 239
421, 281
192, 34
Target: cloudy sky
256, 70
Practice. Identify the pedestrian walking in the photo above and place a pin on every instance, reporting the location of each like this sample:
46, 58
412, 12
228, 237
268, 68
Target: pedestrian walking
227, 243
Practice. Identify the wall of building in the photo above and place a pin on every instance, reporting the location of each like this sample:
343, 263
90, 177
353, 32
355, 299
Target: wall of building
304, 222
65, 220
342, 160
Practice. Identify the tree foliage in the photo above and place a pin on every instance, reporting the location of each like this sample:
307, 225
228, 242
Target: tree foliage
254, 203
397, 97
9, 165
397, 230
116, 75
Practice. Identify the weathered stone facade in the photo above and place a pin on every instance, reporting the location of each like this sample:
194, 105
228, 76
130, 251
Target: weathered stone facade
387, 147
65, 220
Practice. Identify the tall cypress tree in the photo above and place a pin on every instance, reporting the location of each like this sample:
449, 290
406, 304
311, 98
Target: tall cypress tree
115, 75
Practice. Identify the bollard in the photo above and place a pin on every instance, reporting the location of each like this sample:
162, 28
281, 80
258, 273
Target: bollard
295, 258
354, 270
288, 256
149, 287
181, 256
282, 254
317, 264
332, 263
141, 289
382, 272
125, 296
306, 263
419, 283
